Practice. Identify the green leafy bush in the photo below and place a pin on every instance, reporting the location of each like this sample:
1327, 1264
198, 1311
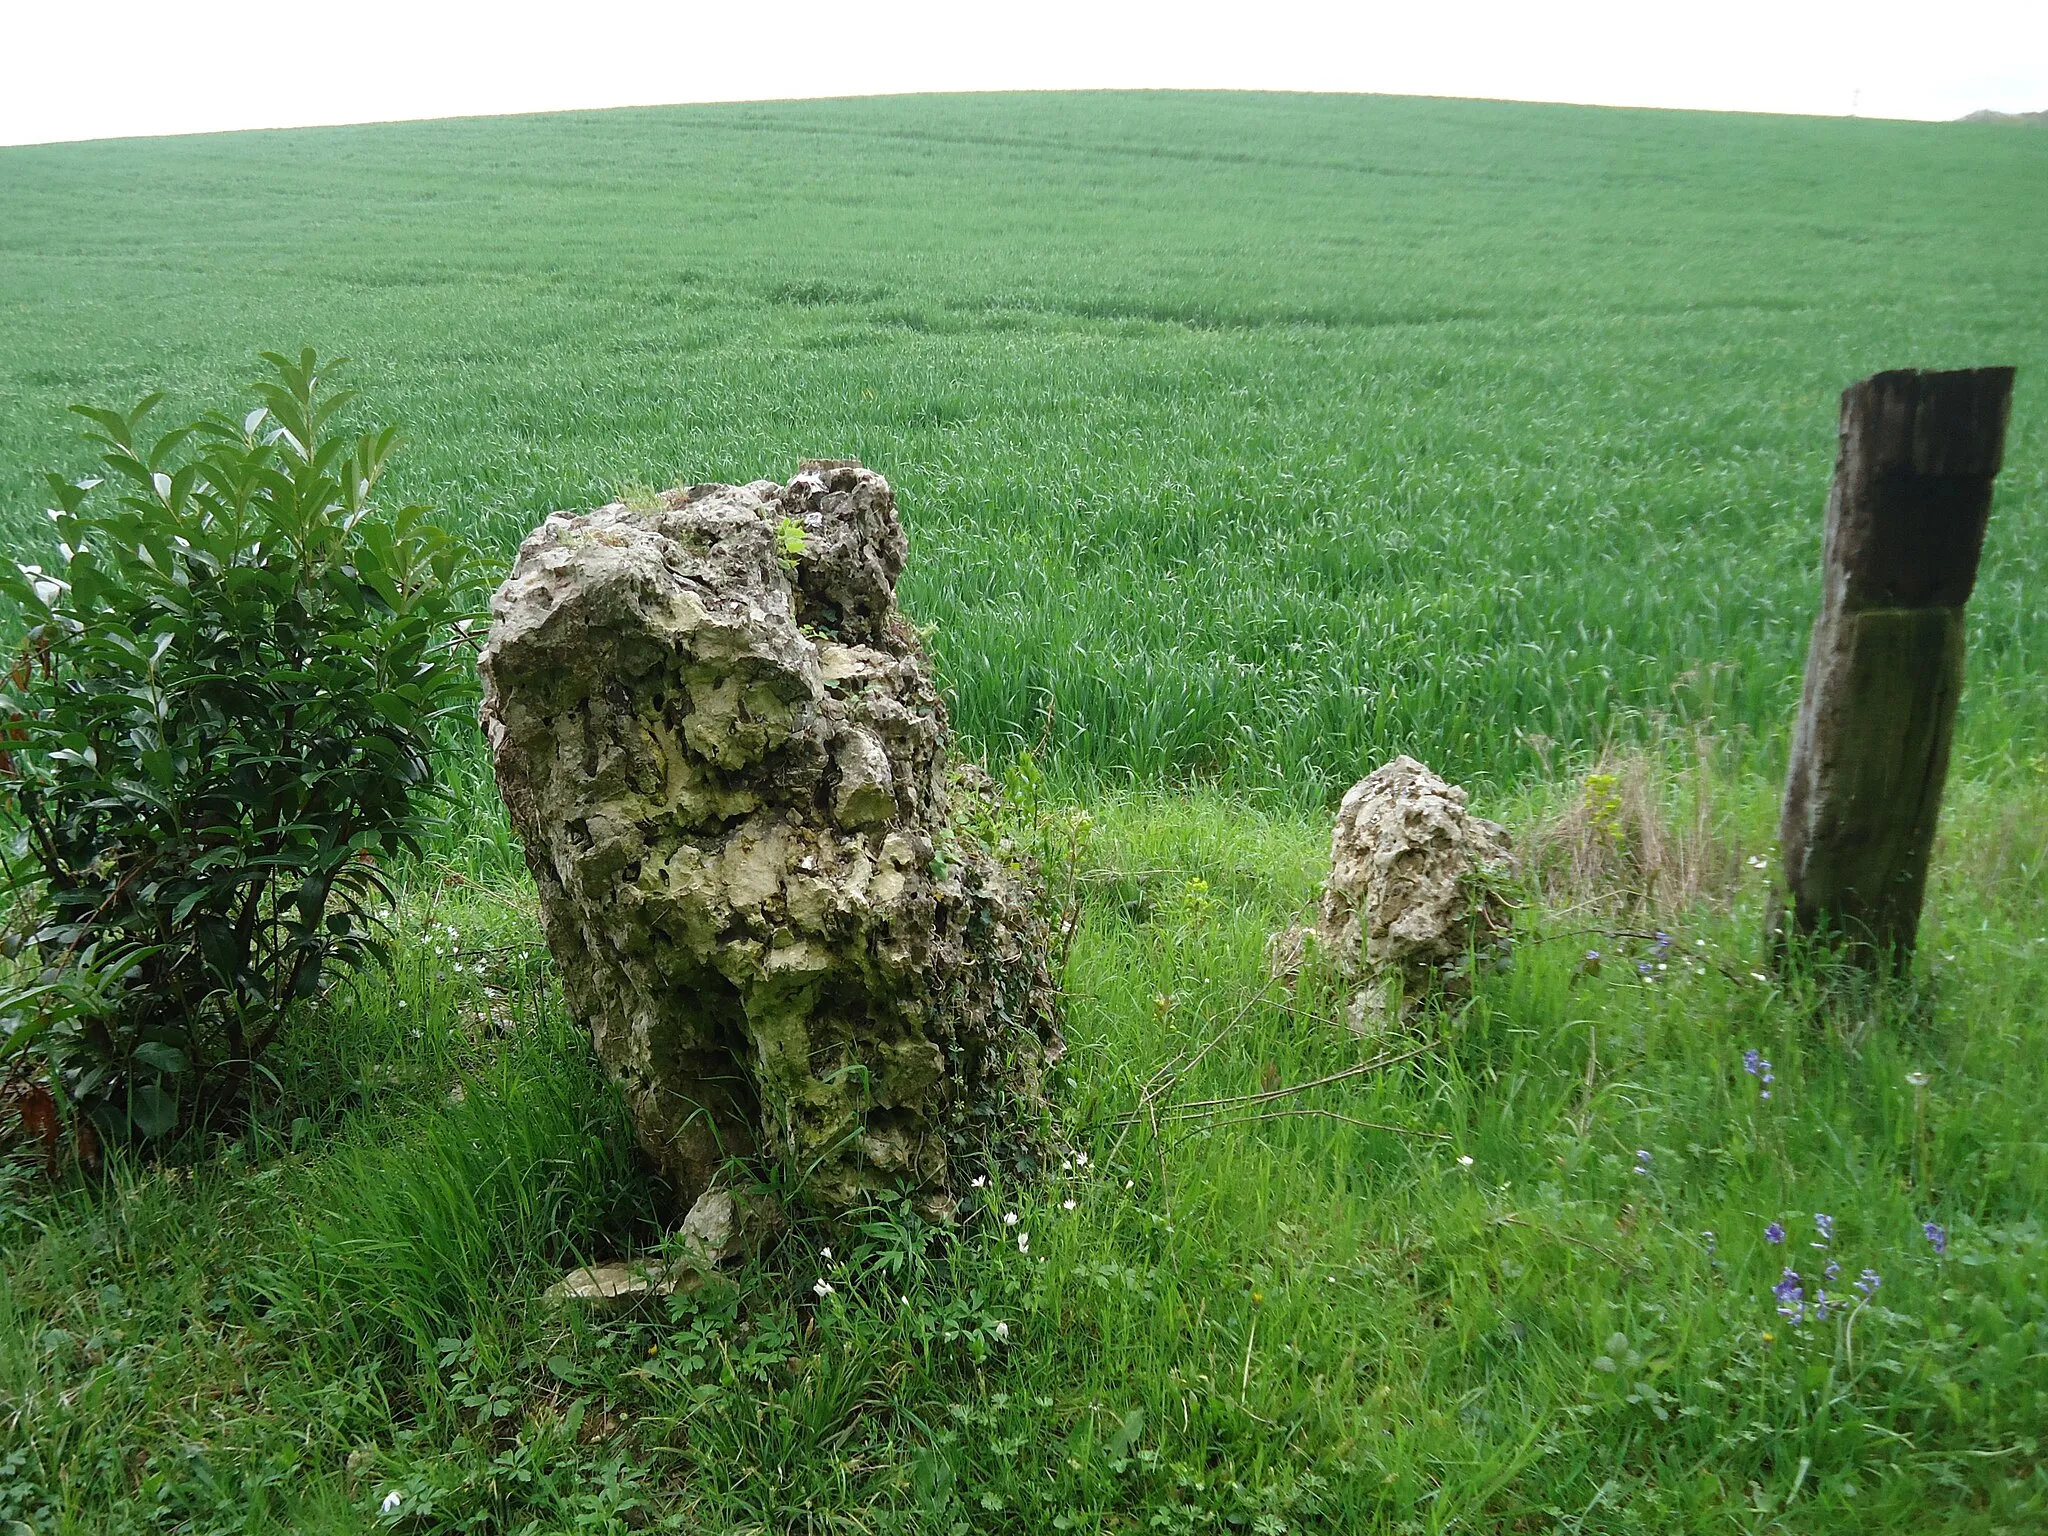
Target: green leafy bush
223, 719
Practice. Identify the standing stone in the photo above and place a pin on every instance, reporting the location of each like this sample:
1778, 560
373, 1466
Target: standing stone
720, 742
1414, 890
1905, 527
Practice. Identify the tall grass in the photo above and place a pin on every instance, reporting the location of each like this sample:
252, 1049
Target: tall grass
1246, 439
1310, 1313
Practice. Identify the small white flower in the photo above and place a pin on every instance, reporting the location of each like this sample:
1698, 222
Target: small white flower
824, 1253
1023, 1242
1080, 1159
391, 1502
1758, 976
1465, 1161
1066, 1205
1130, 1183
1002, 1331
1917, 1079
1066, 1165
824, 1288
979, 1181
1009, 1218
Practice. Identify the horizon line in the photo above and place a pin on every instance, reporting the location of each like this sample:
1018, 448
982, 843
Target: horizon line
1132, 90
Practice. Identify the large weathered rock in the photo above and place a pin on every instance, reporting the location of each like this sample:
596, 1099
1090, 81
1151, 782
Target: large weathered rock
721, 744
1413, 889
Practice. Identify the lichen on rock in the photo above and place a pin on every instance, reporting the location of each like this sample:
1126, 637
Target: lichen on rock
720, 742
1414, 891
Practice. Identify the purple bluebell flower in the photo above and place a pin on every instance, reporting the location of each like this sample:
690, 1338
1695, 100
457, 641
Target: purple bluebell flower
1663, 942
1790, 1292
1642, 1161
1820, 1305
1824, 1224
1868, 1282
1774, 1233
1833, 1269
1644, 968
1709, 1239
1936, 1234
1750, 1061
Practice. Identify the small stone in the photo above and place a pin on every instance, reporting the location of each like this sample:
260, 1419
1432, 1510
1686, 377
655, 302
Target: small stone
616, 1286
724, 1227
1414, 891
708, 1229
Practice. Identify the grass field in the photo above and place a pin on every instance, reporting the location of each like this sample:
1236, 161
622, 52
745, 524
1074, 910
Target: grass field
1244, 441
1242, 438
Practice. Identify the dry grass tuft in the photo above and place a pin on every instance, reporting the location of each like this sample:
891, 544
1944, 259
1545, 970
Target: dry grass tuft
1646, 833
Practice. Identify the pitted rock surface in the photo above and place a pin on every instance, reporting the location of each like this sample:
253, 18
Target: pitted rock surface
1413, 889
720, 742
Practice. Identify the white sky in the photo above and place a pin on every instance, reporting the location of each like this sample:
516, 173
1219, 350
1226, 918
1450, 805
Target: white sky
78, 69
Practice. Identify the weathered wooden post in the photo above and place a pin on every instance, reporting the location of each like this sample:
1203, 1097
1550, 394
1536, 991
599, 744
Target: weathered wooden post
1905, 527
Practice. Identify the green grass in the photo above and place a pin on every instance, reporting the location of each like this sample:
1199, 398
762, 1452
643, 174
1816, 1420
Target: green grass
1303, 1323
1244, 441
1243, 438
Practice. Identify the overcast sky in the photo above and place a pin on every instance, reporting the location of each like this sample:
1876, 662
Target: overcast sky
79, 69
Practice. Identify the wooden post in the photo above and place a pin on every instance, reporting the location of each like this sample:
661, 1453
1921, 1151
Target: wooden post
1905, 528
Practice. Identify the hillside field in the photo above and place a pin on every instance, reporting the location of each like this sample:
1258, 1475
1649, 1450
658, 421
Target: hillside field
1243, 441
1242, 438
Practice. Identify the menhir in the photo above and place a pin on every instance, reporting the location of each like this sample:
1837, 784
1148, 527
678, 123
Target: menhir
1415, 894
720, 742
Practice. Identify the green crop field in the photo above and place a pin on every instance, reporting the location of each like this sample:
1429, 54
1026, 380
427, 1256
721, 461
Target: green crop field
1243, 438
1243, 441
